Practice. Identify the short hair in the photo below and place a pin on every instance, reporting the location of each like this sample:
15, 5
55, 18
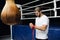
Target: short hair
38, 9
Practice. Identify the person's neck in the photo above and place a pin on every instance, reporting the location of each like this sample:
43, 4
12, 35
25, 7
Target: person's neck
41, 15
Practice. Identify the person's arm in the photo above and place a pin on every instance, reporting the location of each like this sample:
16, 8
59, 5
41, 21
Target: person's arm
43, 27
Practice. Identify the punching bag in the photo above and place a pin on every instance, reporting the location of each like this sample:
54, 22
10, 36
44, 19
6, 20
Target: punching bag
10, 14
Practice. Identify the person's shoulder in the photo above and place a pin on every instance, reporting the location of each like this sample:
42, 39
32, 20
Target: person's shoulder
45, 17
36, 17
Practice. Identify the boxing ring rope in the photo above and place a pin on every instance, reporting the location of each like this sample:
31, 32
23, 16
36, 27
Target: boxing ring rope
42, 4
35, 17
29, 10
30, 2
27, 13
47, 10
38, 5
58, 8
57, 0
42, 11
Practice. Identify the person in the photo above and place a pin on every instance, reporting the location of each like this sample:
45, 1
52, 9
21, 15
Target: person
41, 25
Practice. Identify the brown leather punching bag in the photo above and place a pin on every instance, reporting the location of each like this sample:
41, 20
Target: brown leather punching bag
10, 14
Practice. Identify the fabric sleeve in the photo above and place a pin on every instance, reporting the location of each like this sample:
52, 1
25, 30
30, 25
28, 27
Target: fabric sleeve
45, 21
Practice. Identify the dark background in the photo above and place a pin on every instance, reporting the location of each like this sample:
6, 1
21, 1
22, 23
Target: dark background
5, 29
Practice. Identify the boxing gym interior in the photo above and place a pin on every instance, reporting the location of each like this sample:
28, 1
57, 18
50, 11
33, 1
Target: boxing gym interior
22, 31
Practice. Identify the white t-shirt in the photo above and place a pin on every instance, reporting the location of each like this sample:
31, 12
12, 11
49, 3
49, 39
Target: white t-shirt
43, 20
